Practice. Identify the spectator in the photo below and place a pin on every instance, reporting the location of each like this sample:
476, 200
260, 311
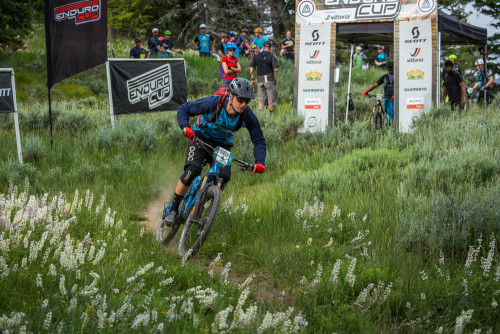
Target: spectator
259, 39
381, 59
267, 64
154, 44
241, 42
230, 65
168, 44
338, 61
138, 52
232, 36
203, 42
453, 58
358, 59
484, 83
287, 47
388, 81
454, 86
221, 49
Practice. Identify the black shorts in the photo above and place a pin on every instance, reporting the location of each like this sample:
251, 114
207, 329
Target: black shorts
198, 156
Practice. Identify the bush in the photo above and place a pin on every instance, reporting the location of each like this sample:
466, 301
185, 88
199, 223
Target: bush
33, 150
450, 222
73, 123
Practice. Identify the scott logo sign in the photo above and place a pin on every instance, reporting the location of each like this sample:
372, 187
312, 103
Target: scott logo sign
315, 37
81, 12
5, 91
155, 85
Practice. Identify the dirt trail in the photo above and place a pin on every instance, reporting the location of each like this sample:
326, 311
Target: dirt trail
260, 286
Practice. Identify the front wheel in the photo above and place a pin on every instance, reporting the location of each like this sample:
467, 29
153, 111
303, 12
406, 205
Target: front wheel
197, 228
164, 233
376, 118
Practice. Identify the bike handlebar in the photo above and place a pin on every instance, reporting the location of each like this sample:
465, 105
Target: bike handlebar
210, 149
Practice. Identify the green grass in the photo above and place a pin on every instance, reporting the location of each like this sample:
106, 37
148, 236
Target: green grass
405, 208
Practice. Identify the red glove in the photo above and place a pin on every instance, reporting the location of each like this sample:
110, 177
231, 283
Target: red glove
392, 98
259, 169
364, 93
188, 133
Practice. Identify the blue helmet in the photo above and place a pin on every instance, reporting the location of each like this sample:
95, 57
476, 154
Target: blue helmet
231, 45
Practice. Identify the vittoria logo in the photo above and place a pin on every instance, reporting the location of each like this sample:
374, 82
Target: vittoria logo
155, 85
81, 12
414, 56
313, 56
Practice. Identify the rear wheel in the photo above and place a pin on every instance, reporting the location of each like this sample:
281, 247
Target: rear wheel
196, 229
377, 118
164, 233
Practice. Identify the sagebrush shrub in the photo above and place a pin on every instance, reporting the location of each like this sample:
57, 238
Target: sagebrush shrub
450, 222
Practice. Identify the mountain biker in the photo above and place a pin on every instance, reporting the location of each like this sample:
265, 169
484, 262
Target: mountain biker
259, 39
483, 82
218, 132
388, 81
229, 65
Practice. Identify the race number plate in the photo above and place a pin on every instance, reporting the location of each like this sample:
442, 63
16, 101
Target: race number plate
379, 97
222, 157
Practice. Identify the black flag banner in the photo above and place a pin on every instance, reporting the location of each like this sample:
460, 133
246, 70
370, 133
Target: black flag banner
146, 85
76, 37
6, 92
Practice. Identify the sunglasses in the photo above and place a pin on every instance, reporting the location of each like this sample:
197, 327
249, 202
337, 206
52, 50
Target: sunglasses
231, 50
242, 99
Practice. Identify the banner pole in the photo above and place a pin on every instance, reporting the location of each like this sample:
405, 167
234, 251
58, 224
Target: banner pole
112, 115
16, 120
49, 61
349, 86
50, 120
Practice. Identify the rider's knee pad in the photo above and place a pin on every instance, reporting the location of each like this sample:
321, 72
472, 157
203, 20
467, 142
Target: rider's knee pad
190, 173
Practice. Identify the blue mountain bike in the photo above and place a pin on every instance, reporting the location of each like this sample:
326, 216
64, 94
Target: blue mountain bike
200, 206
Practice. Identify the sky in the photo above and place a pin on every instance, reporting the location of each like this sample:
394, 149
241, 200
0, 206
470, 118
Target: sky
481, 20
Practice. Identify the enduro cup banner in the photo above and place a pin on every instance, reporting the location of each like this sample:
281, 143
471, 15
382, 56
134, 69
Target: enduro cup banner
6, 92
76, 37
314, 74
415, 70
146, 85
344, 11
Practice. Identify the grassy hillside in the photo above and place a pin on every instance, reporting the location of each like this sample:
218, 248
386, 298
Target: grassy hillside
347, 231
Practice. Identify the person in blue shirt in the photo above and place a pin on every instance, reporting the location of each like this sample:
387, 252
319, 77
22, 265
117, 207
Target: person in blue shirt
388, 81
218, 132
483, 82
381, 59
203, 42
138, 52
259, 38
154, 44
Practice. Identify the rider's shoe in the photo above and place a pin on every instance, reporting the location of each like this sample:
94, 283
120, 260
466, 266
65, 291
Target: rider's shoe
171, 218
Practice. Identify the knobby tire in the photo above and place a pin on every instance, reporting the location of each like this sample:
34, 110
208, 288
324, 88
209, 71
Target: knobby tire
193, 236
164, 233
376, 118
